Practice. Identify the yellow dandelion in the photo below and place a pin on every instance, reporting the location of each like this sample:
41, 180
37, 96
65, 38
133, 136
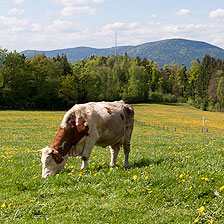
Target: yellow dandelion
196, 220
111, 168
181, 176
135, 177
31, 201
3, 206
201, 209
221, 188
146, 177
10, 205
69, 174
190, 187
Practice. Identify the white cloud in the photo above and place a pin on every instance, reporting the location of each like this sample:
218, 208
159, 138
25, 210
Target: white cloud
153, 16
38, 38
112, 26
183, 12
18, 1
77, 2
216, 14
133, 25
68, 11
170, 29
12, 22
15, 11
59, 25
36, 27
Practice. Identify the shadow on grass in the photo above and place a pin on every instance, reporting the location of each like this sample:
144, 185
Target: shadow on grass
145, 162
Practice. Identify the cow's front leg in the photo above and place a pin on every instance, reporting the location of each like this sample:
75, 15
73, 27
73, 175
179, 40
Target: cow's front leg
88, 146
114, 150
84, 162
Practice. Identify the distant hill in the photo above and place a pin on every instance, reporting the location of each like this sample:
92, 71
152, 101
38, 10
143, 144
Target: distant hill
177, 51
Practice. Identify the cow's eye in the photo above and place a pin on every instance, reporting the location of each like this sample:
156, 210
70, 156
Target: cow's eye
48, 161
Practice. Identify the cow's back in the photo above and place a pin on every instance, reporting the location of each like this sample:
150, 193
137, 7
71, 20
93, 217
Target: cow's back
110, 120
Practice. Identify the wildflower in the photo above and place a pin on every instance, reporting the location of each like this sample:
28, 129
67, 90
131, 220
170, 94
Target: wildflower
190, 187
146, 177
10, 205
31, 201
103, 163
204, 178
3, 206
72, 167
53, 192
181, 176
196, 220
57, 175
95, 174
212, 221
69, 174
221, 188
201, 209
111, 168
135, 177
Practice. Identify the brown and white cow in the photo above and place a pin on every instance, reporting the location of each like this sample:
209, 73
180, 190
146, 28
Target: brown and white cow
85, 125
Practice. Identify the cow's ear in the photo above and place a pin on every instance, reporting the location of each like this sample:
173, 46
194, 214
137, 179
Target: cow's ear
47, 150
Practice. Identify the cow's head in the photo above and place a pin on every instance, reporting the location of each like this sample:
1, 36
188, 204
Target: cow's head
52, 163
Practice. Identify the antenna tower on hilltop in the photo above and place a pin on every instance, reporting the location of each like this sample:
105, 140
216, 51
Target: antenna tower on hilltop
115, 46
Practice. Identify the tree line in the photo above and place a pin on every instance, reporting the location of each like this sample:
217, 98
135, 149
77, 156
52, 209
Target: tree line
39, 82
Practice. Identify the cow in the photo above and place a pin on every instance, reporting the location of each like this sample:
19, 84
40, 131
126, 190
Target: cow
85, 125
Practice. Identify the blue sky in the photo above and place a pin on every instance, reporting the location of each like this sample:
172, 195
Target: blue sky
56, 24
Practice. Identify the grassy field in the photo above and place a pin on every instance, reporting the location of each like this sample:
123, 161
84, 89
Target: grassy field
174, 177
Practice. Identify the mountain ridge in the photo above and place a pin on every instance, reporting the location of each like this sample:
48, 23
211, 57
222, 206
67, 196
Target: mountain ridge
176, 51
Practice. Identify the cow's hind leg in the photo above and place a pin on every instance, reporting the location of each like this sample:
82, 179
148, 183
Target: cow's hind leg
126, 145
114, 150
126, 153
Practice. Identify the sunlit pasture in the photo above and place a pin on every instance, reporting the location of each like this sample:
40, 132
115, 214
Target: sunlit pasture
174, 176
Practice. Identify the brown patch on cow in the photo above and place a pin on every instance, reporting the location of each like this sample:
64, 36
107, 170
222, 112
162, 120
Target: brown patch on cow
66, 137
129, 109
122, 117
57, 157
84, 158
108, 110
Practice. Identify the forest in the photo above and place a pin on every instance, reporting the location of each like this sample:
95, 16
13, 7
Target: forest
40, 82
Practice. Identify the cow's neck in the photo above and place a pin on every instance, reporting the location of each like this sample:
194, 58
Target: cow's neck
68, 136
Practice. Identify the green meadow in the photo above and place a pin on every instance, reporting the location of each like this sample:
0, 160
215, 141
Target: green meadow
175, 174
